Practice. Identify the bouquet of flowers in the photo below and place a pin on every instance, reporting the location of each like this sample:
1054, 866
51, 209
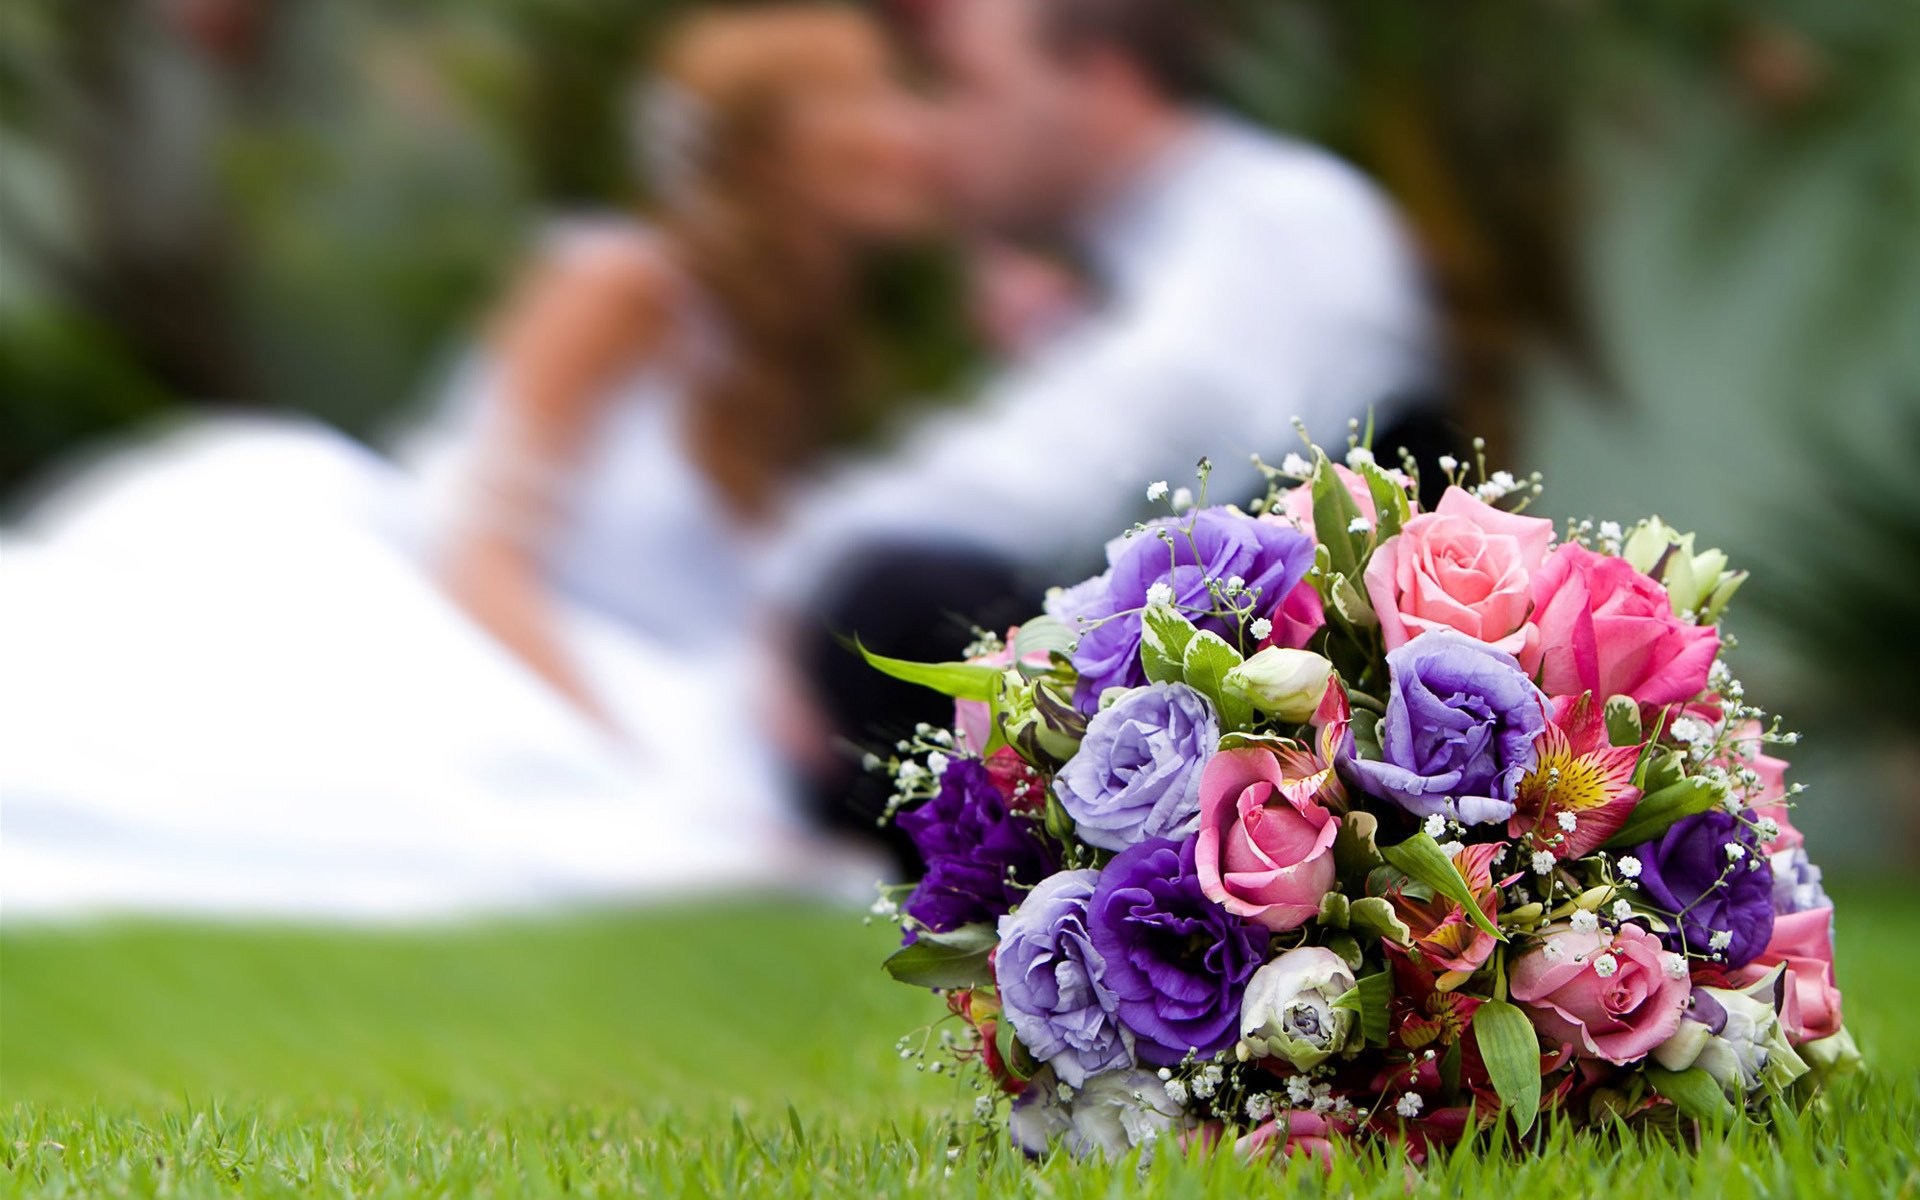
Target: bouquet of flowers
1333, 819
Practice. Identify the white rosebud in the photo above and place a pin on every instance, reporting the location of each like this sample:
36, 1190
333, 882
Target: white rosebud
1288, 684
1735, 1036
1288, 1009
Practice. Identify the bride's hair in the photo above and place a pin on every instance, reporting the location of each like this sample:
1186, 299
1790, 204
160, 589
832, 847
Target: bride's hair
713, 116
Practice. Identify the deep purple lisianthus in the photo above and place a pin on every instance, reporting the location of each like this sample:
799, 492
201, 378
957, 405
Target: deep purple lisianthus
1459, 731
1137, 773
977, 852
1212, 543
1053, 982
1177, 962
1710, 890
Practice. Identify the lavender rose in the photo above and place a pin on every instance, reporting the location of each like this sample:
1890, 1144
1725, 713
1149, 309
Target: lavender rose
1708, 872
1177, 962
1212, 543
978, 854
1796, 882
1137, 774
1052, 981
1459, 731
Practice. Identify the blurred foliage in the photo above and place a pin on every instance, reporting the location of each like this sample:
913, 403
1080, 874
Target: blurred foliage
301, 204
1838, 584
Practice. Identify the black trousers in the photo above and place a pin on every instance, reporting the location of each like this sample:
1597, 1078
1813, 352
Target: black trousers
917, 602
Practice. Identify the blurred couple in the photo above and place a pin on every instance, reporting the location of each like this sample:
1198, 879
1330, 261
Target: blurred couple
575, 640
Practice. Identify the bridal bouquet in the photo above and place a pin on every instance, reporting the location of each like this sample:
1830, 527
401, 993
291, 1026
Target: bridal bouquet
1336, 819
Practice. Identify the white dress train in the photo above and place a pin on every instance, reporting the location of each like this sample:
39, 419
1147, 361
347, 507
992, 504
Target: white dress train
230, 685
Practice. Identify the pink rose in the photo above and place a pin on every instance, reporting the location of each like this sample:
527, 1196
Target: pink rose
1803, 941
1293, 1132
973, 719
1767, 799
1265, 850
1606, 628
1608, 996
1466, 566
1297, 619
1296, 504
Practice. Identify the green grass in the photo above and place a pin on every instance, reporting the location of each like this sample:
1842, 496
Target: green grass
740, 1051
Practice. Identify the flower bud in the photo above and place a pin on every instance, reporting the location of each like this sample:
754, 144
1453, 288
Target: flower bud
1696, 583
1287, 684
1289, 1011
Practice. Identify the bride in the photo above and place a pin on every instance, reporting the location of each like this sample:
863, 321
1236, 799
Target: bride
254, 668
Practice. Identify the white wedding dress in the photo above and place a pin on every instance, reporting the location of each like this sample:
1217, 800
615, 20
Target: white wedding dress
229, 684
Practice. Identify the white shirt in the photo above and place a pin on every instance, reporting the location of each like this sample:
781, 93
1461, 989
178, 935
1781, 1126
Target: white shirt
1249, 279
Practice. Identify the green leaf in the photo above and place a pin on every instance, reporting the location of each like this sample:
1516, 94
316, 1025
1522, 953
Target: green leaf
1389, 500
1692, 1091
1375, 915
1354, 851
1164, 636
1334, 909
1333, 511
1351, 602
1511, 1050
1655, 814
1013, 1052
1045, 636
1369, 998
962, 681
1208, 660
1421, 858
955, 959
1365, 728
1623, 721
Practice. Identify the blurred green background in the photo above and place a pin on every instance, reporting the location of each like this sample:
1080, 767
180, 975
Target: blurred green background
1677, 246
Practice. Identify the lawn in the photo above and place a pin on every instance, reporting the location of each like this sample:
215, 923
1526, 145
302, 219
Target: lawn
748, 1050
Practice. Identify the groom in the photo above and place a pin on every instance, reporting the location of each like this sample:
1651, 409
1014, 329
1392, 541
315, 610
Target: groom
1242, 279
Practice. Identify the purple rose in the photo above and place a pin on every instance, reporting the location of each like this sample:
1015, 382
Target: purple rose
1177, 962
1796, 882
1212, 543
1052, 981
1720, 899
978, 854
1459, 730
1137, 773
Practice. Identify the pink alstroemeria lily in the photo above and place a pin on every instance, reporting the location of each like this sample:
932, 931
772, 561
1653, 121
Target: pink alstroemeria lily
1577, 772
